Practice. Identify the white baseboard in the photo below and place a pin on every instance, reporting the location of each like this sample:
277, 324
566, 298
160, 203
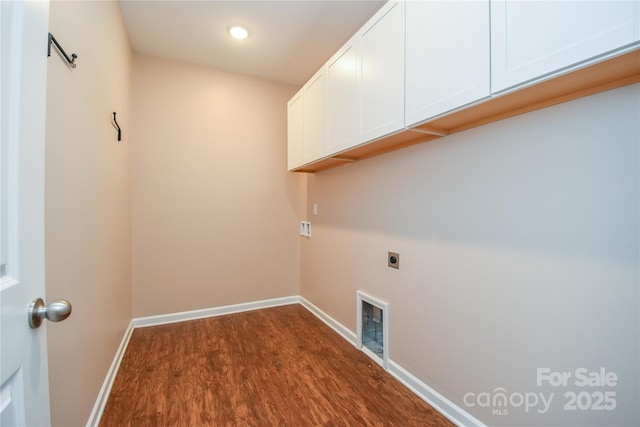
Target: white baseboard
103, 395
164, 319
440, 403
345, 332
453, 412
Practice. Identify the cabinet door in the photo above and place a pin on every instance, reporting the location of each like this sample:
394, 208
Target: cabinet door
448, 51
343, 105
295, 131
315, 146
532, 38
382, 72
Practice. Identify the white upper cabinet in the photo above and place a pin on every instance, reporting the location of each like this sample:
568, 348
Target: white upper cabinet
447, 56
315, 144
381, 69
443, 66
343, 103
530, 39
306, 125
295, 131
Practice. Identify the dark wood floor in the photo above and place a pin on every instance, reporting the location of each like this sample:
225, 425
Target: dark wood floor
274, 367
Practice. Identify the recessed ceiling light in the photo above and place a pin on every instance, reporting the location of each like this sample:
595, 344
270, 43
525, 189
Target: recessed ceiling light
238, 32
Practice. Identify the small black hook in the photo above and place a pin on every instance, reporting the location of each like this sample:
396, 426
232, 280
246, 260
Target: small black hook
117, 127
71, 60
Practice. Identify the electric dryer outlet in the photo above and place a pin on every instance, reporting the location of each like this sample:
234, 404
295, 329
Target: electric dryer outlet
393, 259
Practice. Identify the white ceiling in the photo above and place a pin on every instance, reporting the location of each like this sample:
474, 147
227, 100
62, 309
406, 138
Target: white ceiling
288, 40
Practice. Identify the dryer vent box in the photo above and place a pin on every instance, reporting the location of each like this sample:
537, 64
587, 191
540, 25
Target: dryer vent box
373, 328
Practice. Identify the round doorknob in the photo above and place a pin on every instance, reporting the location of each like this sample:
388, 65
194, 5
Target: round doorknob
56, 311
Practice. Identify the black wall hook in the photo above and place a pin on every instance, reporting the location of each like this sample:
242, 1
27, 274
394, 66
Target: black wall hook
71, 60
117, 127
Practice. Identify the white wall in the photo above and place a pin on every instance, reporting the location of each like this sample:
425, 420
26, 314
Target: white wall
214, 209
518, 240
519, 248
87, 201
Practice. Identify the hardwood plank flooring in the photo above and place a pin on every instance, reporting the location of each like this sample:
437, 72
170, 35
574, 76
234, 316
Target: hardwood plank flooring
273, 367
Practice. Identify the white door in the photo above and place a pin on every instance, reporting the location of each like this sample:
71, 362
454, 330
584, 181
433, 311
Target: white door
295, 131
24, 395
343, 106
447, 56
314, 129
381, 71
530, 39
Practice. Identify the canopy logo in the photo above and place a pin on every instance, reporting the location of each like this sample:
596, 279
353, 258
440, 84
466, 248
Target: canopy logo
499, 400
585, 391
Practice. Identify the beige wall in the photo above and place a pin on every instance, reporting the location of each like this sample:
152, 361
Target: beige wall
88, 224
518, 240
214, 209
518, 248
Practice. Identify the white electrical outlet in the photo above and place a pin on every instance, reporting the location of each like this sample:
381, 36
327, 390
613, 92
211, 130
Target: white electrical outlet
305, 228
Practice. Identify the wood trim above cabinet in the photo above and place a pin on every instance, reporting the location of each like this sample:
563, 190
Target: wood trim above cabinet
615, 72
392, 142
598, 77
